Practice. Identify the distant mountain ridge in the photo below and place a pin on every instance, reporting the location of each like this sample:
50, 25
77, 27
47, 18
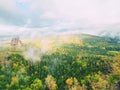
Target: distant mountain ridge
113, 35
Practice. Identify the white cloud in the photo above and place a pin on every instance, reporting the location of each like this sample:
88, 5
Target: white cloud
66, 13
8, 5
5, 29
89, 11
23, 1
84, 12
49, 15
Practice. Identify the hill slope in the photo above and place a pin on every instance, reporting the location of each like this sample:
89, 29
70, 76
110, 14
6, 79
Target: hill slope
62, 62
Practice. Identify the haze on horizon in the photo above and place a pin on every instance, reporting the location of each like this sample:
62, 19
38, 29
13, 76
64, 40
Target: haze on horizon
92, 16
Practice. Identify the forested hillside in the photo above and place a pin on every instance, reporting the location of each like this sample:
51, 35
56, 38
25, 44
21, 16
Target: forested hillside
77, 62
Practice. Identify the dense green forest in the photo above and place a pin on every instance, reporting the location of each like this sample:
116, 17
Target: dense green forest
83, 62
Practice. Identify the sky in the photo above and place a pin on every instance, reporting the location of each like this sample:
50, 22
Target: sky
92, 16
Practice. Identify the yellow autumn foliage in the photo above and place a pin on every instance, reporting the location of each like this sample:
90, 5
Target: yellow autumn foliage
14, 80
50, 82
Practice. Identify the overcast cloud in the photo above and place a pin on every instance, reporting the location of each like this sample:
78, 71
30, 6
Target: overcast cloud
89, 15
